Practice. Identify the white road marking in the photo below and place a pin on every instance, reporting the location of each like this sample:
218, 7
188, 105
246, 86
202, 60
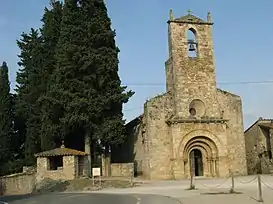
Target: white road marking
138, 200
2, 202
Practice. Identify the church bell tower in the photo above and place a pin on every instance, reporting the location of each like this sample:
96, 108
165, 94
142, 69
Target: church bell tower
190, 69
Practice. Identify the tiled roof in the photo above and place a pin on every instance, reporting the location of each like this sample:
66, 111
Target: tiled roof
61, 152
262, 122
266, 125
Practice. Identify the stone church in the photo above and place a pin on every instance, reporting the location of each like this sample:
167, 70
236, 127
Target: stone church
194, 127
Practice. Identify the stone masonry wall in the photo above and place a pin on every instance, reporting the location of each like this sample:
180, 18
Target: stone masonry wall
193, 77
231, 106
17, 184
258, 141
158, 138
132, 149
67, 173
251, 141
122, 169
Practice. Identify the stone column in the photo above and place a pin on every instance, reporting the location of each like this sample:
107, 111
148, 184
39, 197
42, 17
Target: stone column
217, 166
185, 168
214, 166
211, 167
208, 167
103, 165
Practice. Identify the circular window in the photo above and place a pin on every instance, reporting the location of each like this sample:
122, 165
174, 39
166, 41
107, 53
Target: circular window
197, 108
192, 111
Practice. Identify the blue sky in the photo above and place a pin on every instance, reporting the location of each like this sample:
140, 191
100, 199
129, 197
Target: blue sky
242, 34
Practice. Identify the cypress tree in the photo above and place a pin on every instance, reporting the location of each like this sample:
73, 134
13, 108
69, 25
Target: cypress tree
28, 90
18, 138
50, 34
37, 62
67, 95
6, 121
102, 52
84, 95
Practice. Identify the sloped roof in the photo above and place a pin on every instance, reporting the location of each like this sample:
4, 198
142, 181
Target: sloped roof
62, 151
227, 92
267, 125
190, 18
262, 122
135, 120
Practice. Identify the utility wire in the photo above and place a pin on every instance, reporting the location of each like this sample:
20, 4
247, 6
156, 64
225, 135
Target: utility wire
163, 84
223, 83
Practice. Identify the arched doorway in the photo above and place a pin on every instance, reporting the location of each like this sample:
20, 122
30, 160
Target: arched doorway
209, 147
196, 162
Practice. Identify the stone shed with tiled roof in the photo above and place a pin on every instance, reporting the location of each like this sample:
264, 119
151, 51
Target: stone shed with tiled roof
60, 164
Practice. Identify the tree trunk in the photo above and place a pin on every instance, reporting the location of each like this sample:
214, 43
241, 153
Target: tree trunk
107, 161
87, 148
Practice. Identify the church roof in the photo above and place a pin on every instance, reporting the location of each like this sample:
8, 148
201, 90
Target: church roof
190, 18
62, 151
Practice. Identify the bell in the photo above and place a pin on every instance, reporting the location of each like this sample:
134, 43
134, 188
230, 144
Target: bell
192, 48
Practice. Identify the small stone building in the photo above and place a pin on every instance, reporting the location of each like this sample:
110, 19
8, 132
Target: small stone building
60, 164
194, 127
259, 145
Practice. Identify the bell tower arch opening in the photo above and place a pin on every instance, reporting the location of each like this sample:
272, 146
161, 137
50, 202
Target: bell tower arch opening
192, 43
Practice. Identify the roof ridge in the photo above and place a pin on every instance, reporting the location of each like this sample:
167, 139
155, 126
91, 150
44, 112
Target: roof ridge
190, 18
61, 151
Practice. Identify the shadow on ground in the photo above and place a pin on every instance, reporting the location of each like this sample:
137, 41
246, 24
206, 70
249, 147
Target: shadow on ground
221, 193
16, 197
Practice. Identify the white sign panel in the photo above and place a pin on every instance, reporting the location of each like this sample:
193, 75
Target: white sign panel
96, 171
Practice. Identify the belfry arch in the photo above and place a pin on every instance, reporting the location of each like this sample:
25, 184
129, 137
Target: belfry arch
192, 42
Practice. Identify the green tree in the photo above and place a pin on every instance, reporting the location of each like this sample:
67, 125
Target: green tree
84, 95
50, 33
28, 90
64, 95
18, 138
37, 63
6, 121
102, 52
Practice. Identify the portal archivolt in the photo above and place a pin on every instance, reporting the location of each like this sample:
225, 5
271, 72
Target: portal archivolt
201, 157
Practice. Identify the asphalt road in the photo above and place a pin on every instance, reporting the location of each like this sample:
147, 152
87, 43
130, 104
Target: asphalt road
88, 198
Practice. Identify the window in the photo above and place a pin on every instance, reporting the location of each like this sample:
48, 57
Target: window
192, 111
55, 163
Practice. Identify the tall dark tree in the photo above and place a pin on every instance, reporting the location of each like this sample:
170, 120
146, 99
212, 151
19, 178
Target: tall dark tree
6, 121
85, 93
18, 138
50, 34
102, 52
28, 90
64, 95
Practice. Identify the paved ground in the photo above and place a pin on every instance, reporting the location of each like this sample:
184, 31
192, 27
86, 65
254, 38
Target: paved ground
209, 191
88, 198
